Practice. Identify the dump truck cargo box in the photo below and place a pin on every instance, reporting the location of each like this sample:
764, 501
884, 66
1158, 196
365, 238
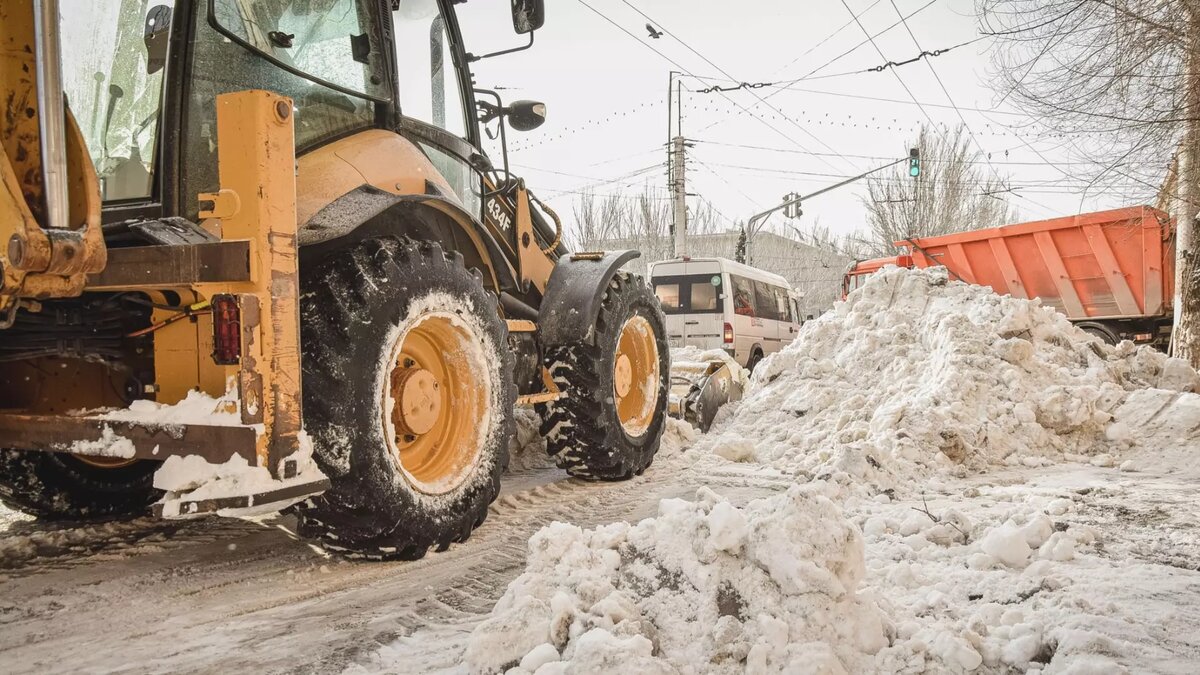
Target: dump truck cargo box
1116, 264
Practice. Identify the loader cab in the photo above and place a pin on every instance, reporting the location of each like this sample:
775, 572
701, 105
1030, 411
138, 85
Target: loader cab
148, 73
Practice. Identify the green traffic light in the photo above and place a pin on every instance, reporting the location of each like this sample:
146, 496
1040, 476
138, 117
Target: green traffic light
914, 168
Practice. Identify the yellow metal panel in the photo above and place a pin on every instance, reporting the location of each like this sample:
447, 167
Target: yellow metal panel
257, 202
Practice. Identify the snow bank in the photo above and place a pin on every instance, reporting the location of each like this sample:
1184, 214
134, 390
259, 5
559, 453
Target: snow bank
703, 587
914, 371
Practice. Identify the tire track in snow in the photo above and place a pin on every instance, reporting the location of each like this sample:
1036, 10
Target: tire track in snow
248, 596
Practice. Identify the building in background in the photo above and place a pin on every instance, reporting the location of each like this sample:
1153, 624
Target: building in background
814, 272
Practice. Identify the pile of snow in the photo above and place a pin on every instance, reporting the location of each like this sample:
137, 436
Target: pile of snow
703, 587
914, 371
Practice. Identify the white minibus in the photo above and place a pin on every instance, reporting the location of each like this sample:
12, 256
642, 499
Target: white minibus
716, 303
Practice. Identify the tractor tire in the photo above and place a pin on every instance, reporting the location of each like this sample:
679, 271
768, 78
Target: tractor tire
58, 486
609, 424
408, 397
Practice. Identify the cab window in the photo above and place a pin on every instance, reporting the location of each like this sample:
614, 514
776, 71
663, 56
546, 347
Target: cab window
114, 88
429, 88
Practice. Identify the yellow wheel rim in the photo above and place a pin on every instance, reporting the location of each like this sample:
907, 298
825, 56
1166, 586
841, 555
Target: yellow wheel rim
435, 402
636, 375
104, 462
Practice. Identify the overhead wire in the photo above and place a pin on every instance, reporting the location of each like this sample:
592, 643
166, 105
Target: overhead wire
811, 75
942, 85
726, 73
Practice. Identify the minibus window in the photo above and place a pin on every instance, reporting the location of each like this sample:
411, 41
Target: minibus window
765, 301
743, 295
704, 297
668, 295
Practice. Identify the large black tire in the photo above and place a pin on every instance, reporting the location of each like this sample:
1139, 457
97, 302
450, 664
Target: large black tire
57, 486
356, 309
583, 429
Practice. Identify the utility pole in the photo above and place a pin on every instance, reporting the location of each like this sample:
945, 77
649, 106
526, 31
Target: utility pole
679, 195
676, 160
1185, 333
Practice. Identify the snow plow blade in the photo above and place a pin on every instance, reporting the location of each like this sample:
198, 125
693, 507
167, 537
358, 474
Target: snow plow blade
268, 501
699, 389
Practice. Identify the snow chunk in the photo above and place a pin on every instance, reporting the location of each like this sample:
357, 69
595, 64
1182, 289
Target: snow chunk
1007, 543
774, 583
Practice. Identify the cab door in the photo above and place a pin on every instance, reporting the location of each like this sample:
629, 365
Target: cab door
434, 97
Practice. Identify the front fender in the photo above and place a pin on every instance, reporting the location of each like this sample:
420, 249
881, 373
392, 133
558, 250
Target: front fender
370, 212
573, 295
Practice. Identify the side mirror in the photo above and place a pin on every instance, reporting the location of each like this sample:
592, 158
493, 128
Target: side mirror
526, 115
528, 16
156, 36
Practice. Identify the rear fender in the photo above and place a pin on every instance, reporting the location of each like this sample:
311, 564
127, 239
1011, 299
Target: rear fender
573, 296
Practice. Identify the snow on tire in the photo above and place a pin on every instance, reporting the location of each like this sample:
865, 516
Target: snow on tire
408, 396
586, 431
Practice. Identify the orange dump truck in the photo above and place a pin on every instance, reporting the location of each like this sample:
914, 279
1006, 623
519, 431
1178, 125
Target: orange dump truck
1111, 272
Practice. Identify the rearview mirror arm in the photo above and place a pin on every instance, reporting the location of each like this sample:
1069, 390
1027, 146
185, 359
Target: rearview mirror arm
499, 107
471, 58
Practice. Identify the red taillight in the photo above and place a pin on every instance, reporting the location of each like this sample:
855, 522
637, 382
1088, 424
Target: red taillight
227, 330
728, 334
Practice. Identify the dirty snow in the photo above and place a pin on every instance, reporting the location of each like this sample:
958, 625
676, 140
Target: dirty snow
914, 373
192, 478
978, 487
195, 408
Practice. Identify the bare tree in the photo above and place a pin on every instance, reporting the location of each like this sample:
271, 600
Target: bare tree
641, 220
954, 193
1121, 80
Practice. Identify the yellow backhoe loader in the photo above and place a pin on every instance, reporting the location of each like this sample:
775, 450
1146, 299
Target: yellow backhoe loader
237, 233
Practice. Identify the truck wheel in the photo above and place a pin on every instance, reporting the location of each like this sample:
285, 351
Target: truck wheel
57, 486
408, 396
609, 423
755, 357
1103, 333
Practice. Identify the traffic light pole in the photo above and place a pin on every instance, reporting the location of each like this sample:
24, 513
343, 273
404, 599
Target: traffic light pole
757, 219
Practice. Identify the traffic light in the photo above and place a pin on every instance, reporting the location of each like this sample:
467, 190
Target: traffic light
914, 162
792, 210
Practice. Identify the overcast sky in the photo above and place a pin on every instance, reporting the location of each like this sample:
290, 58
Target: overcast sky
606, 96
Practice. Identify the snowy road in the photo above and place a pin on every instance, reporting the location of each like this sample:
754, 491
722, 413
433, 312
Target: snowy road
228, 596
225, 595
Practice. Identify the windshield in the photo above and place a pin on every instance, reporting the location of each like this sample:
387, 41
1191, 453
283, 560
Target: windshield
110, 87
334, 30
331, 41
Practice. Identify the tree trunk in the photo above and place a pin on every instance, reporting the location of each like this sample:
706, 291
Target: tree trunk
1185, 336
